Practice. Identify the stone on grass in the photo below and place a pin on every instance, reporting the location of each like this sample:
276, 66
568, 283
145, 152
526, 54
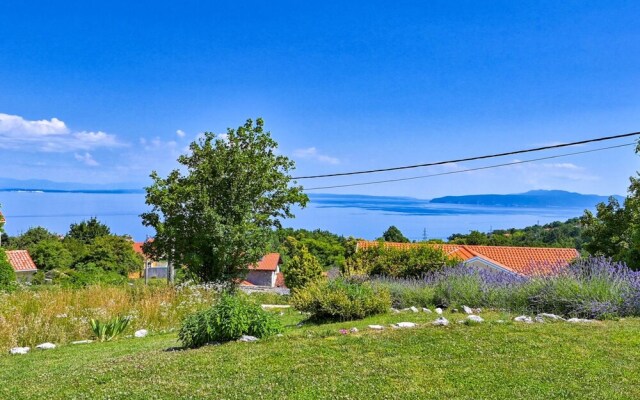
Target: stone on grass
141, 333
82, 341
475, 318
523, 318
405, 325
413, 309
579, 320
439, 311
500, 321
19, 350
247, 338
394, 310
467, 310
442, 321
551, 316
354, 330
376, 327
46, 346
424, 309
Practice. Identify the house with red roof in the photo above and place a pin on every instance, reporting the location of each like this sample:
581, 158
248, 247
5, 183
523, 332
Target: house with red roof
22, 264
265, 272
525, 261
151, 268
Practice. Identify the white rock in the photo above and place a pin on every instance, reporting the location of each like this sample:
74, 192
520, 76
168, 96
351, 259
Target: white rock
478, 310
19, 350
467, 310
475, 318
405, 325
500, 321
579, 320
426, 310
439, 311
523, 318
46, 346
539, 319
82, 341
551, 316
376, 327
455, 310
413, 309
354, 330
442, 321
394, 310
279, 335
247, 338
141, 333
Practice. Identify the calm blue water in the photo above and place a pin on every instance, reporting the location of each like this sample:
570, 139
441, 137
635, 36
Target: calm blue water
350, 215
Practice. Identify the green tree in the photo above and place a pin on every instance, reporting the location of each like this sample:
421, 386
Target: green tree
301, 266
51, 254
31, 237
217, 217
7, 274
88, 231
393, 234
615, 229
112, 253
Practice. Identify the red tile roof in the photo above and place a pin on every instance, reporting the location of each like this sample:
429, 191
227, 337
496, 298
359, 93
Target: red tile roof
2, 220
521, 260
20, 260
267, 263
246, 283
137, 247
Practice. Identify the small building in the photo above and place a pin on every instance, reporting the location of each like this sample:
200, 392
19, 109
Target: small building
150, 268
266, 272
22, 264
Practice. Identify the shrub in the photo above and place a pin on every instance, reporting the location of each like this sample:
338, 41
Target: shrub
7, 274
341, 299
413, 261
301, 267
105, 331
230, 318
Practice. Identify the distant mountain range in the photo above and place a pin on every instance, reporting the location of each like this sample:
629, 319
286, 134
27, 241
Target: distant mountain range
533, 198
409, 205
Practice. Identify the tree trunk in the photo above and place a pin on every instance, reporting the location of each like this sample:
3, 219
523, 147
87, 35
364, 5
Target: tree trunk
170, 272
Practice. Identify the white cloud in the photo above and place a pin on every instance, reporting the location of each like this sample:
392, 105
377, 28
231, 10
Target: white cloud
180, 133
312, 153
87, 159
49, 135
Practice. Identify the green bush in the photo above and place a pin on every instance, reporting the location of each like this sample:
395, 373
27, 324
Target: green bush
230, 318
413, 261
7, 274
341, 299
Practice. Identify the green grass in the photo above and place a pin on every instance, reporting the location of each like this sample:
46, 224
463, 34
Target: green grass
484, 361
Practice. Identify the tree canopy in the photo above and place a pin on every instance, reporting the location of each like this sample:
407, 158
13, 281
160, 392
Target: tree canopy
88, 231
215, 219
393, 234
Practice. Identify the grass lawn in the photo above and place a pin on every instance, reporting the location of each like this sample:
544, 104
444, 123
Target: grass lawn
486, 361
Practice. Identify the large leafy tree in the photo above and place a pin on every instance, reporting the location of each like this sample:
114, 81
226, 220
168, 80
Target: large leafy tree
615, 229
88, 231
215, 218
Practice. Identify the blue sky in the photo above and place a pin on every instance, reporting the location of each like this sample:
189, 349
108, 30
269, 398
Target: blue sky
107, 91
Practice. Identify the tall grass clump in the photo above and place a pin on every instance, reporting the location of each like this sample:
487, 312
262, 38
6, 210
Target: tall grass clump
30, 316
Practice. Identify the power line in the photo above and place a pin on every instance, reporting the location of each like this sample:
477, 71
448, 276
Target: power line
510, 153
468, 170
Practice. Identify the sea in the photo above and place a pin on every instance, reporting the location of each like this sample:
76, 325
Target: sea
359, 216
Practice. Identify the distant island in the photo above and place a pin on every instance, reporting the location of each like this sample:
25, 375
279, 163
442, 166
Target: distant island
533, 198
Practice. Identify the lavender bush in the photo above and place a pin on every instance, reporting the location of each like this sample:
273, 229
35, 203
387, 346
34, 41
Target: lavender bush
589, 288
